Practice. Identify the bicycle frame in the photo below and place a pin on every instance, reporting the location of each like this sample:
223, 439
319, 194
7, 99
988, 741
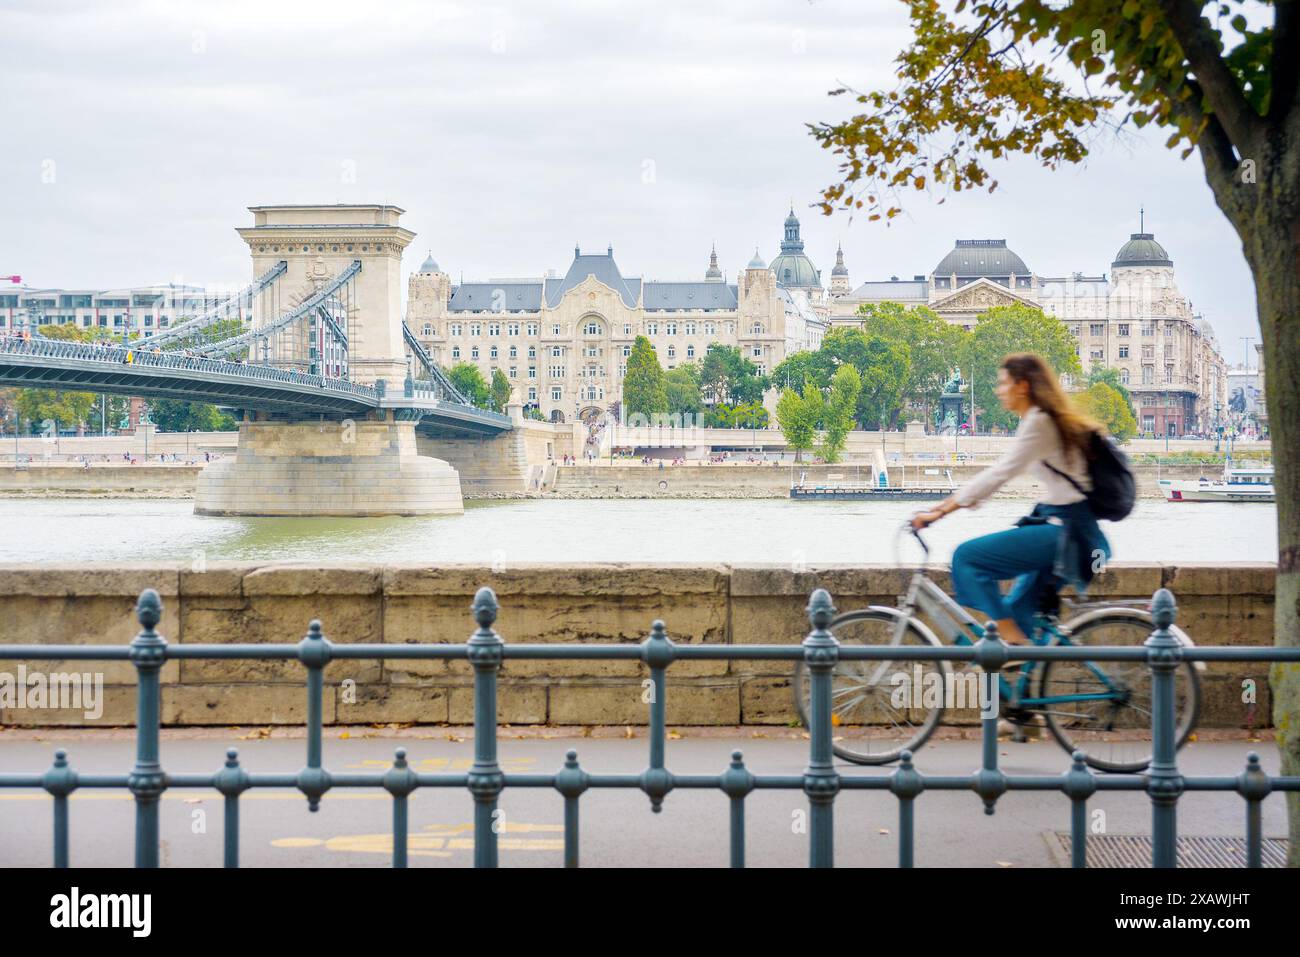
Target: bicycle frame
960, 628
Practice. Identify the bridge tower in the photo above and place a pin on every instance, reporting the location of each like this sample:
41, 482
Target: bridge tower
331, 464
319, 243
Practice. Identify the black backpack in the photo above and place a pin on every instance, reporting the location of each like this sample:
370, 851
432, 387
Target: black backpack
1114, 487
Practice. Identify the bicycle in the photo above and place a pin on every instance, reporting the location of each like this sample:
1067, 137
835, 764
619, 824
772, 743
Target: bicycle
1083, 703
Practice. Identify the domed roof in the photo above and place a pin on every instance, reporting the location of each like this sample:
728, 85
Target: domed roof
796, 271
757, 261
981, 257
429, 265
1142, 250
793, 268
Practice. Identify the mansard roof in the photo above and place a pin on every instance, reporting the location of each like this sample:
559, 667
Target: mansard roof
602, 268
689, 295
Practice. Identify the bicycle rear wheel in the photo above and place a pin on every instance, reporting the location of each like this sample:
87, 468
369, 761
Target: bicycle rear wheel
878, 708
1115, 732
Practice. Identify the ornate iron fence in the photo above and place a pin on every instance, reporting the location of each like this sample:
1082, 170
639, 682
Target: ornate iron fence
821, 781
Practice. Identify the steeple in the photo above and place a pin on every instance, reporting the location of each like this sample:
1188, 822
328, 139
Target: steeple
713, 273
840, 274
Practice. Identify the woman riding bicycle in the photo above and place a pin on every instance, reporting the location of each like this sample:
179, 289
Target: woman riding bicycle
1060, 541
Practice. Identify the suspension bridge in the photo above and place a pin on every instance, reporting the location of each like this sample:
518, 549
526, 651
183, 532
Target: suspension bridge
314, 357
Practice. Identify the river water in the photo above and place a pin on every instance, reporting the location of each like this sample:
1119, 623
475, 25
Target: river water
776, 531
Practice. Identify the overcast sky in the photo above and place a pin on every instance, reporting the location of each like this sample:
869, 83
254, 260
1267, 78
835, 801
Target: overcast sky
136, 134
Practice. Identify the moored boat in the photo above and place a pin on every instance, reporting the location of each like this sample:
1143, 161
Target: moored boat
1238, 484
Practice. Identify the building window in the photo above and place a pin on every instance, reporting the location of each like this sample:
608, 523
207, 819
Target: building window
1123, 352
1098, 354
532, 328
652, 328
532, 352
672, 352
592, 352
555, 394
1123, 376
710, 328
1148, 375
455, 352
514, 372
555, 329
532, 393
1148, 352
532, 372
671, 328
756, 329
1123, 329
455, 328
473, 352
475, 329
627, 351
690, 328
494, 328
1169, 375
492, 353
512, 328
557, 352
1169, 350
1148, 328
1097, 328
557, 372
756, 351
428, 328
690, 352
514, 352
627, 329
592, 329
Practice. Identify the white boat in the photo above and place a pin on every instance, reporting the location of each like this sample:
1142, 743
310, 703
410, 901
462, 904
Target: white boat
1238, 484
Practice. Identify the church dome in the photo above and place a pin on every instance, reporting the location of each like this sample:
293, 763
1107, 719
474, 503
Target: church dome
793, 268
429, 265
1142, 250
972, 258
756, 262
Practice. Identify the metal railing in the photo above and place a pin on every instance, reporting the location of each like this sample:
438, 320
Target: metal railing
821, 782
138, 354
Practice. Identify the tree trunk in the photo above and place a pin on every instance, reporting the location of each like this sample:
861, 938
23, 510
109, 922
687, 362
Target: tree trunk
1277, 287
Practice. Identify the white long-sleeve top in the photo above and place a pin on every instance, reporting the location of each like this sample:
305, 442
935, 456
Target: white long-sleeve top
1037, 440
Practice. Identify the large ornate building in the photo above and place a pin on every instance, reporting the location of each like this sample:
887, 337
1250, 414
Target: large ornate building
1135, 320
563, 342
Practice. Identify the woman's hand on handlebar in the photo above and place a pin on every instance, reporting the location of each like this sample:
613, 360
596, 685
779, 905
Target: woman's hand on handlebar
924, 519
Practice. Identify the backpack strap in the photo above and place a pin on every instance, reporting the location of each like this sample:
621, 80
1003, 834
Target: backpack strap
1081, 490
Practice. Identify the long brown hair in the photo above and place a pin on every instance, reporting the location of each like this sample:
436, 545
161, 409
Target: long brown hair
1045, 392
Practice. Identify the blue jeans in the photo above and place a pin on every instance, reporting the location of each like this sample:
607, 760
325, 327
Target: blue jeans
1026, 554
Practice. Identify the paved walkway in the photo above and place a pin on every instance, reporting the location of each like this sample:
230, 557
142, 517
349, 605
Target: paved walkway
354, 827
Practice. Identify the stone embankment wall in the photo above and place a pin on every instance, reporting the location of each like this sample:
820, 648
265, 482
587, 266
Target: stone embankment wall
736, 604
773, 481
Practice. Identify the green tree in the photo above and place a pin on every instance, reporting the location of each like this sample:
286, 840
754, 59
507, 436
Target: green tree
728, 378
796, 370
682, 389
175, 415
1110, 376
933, 345
469, 382
1110, 409
883, 366
798, 415
838, 414
749, 415
500, 390
990, 78
64, 409
1001, 331
643, 385
68, 332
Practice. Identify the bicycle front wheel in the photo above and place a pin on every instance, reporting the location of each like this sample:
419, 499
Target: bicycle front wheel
1103, 708
878, 708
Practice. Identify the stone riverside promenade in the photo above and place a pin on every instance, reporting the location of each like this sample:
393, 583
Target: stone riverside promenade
738, 604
